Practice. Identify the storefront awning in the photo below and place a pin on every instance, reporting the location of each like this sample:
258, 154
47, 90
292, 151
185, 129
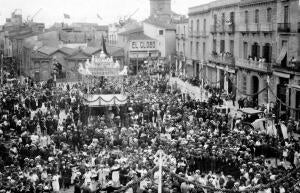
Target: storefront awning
282, 54
282, 75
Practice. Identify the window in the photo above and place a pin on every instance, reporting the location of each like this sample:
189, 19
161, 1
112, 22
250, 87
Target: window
197, 25
246, 17
197, 50
161, 32
192, 27
223, 19
222, 46
204, 26
178, 47
232, 17
183, 45
215, 20
191, 49
286, 14
232, 47
244, 80
204, 51
184, 30
214, 45
256, 16
269, 15
245, 50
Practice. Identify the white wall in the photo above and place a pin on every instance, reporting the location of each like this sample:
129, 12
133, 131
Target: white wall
166, 42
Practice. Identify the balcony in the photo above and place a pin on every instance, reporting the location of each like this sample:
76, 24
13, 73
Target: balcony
222, 59
292, 67
266, 27
254, 65
243, 28
213, 29
284, 27
221, 29
230, 28
197, 34
253, 27
203, 34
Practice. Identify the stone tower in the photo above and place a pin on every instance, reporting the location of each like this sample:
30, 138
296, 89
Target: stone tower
158, 7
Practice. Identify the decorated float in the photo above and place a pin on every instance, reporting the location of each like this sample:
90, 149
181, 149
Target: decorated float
97, 68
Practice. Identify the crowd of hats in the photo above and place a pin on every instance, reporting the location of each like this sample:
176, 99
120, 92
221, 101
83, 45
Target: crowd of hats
37, 144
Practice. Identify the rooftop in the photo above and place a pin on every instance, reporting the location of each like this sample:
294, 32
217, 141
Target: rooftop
160, 23
47, 50
213, 5
139, 37
131, 31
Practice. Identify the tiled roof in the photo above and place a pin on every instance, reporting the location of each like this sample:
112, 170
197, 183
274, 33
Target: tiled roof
47, 50
115, 51
131, 31
68, 51
140, 37
79, 55
91, 50
39, 55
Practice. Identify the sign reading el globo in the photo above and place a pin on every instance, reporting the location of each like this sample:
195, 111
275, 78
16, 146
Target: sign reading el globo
142, 45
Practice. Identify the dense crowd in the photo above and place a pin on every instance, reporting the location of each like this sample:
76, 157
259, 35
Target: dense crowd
50, 141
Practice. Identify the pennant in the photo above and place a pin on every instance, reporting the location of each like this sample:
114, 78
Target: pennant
67, 16
99, 17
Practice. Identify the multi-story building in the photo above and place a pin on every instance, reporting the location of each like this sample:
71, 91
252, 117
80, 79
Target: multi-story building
252, 42
214, 41
181, 46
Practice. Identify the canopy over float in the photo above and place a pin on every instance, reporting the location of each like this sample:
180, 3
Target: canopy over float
101, 66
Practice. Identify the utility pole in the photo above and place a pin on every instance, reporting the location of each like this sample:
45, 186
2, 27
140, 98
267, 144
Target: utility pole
1, 69
268, 83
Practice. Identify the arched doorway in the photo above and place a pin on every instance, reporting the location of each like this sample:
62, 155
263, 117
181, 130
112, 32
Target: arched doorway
255, 88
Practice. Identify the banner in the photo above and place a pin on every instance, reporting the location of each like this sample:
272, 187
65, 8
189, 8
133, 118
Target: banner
105, 100
142, 45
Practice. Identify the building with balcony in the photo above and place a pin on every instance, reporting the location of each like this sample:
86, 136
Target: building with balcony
213, 52
181, 45
252, 41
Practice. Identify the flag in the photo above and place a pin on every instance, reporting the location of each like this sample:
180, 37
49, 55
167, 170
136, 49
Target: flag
104, 46
99, 17
67, 16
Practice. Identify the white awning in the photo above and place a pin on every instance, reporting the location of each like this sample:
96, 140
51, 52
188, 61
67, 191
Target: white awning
282, 54
282, 75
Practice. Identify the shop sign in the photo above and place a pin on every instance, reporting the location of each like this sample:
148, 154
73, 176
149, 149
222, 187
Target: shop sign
142, 45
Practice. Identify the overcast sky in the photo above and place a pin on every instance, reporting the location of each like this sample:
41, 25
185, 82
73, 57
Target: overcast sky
86, 10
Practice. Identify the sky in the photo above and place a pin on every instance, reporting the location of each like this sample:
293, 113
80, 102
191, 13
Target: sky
86, 10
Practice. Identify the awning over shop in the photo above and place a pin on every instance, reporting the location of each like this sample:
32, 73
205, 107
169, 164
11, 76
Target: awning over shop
105, 100
282, 54
250, 111
282, 75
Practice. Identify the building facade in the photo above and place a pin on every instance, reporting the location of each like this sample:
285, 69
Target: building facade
181, 49
251, 44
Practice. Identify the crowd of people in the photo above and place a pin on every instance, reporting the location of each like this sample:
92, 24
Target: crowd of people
49, 142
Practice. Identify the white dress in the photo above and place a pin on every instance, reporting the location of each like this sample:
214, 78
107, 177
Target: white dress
55, 183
